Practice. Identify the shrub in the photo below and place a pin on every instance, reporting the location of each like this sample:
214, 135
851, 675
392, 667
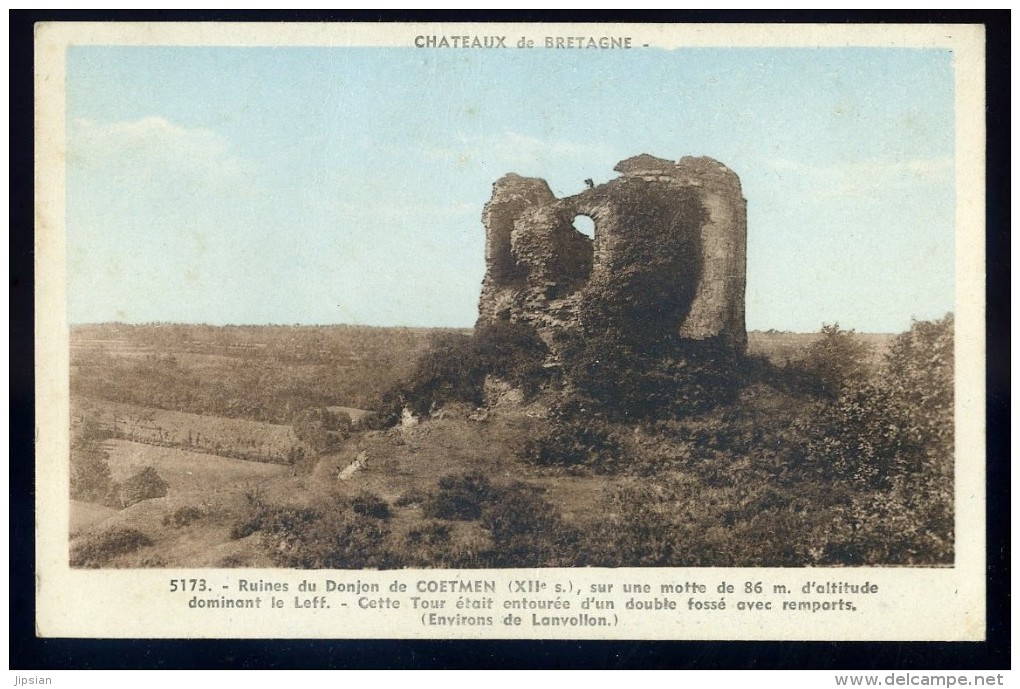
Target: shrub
90, 430
919, 373
898, 426
448, 371
523, 529
302, 461
251, 516
258, 515
640, 529
370, 505
891, 443
838, 358
234, 560
96, 550
337, 421
153, 561
791, 379
454, 367
323, 535
623, 382
183, 516
571, 441
145, 485
519, 510
513, 352
526, 530
459, 497
391, 405
429, 534
908, 524
863, 437
438, 544
91, 479
321, 430
335, 539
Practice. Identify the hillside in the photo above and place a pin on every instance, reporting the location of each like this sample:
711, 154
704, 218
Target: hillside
760, 477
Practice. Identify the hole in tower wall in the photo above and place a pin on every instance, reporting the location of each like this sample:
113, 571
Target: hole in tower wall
585, 225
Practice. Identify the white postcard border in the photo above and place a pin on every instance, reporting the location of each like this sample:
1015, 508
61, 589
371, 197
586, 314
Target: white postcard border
912, 604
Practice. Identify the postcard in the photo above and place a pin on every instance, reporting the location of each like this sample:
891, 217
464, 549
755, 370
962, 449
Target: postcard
510, 331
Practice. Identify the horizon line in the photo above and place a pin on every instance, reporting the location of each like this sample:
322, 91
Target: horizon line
156, 324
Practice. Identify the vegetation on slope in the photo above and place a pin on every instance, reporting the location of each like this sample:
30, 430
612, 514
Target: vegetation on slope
826, 458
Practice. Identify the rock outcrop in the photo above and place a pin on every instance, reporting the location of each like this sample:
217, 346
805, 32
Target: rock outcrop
667, 261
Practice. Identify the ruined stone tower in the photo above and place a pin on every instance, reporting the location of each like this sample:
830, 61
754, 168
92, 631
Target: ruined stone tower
668, 257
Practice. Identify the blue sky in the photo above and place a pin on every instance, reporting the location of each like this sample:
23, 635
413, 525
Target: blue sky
346, 185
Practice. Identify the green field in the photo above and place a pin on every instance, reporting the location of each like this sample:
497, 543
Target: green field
238, 438
186, 472
191, 523
258, 373
817, 454
783, 348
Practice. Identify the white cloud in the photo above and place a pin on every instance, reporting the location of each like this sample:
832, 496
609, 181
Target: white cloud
866, 176
153, 148
148, 131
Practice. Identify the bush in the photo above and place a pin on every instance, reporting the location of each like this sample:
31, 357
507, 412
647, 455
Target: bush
337, 421
899, 426
863, 438
153, 561
440, 544
321, 430
789, 378
909, 524
640, 529
145, 485
251, 517
890, 443
920, 375
448, 371
370, 505
258, 515
518, 511
622, 382
429, 534
838, 358
570, 441
523, 529
459, 497
183, 516
325, 535
454, 368
302, 461
513, 352
95, 551
526, 530
91, 479
234, 560
682, 522
338, 538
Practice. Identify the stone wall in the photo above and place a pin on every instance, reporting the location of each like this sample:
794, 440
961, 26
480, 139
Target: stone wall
668, 258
